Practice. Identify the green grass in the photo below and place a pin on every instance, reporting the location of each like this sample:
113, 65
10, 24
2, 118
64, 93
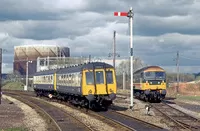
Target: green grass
13, 86
186, 97
15, 129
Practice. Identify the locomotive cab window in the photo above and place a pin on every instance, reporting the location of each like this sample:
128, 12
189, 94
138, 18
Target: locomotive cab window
99, 77
109, 77
89, 78
155, 75
160, 75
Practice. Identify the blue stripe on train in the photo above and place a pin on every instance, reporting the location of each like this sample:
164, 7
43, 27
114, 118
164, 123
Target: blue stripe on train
69, 89
59, 88
43, 86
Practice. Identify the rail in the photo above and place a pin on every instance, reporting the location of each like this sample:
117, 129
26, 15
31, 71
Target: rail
181, 119
115, 119
130, 122
60, 119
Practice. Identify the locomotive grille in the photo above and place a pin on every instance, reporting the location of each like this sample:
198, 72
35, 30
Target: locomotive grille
154, 82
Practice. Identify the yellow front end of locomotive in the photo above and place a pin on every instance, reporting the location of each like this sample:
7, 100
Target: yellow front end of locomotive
149, 86
96, 82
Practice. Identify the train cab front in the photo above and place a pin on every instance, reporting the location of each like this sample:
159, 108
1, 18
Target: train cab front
100, 85
155, 85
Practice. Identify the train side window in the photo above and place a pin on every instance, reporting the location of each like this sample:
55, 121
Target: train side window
67, 80
71, 83
89, 78
70, 79
79, 78
99, 77
109, 77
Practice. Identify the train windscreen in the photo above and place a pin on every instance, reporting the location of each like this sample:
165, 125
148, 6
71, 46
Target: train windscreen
99, 77
154, 75
89, 78
109, 77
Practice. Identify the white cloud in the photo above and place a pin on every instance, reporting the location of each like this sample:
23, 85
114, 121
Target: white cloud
160, 28
64, 4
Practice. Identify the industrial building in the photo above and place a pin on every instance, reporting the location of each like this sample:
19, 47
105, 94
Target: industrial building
49, 63
25, 53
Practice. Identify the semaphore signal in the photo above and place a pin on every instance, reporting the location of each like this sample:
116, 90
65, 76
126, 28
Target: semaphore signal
130, 15
120, 13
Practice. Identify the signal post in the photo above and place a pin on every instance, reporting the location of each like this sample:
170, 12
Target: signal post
130, 15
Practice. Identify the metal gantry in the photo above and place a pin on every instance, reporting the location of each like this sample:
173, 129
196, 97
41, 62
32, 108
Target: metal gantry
130, 15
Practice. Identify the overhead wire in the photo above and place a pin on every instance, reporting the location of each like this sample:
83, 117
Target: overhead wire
193, 58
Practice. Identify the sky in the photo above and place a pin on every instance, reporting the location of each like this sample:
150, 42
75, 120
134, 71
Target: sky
160, 29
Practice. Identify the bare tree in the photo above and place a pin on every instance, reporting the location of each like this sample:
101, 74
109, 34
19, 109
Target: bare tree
124, 66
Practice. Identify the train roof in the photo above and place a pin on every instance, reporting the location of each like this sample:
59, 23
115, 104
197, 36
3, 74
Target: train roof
46, 72
75, 68
147, 67
89, 65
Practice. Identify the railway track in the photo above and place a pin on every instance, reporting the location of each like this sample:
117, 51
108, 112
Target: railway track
130, 122
112, 118
88, 112
56, 118
182, 120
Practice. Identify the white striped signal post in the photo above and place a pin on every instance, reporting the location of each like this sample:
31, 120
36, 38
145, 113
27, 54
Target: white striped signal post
130, 15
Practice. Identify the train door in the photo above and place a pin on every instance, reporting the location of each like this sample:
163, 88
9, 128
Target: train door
101, 87
88, 83
111, 81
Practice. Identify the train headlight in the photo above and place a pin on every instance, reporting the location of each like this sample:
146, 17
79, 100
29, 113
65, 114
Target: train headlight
111, 90
90, 92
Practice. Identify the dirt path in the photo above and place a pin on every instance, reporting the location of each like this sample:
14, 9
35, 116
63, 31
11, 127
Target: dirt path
19, 114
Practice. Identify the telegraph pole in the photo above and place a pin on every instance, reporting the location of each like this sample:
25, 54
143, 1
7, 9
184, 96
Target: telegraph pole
130, 15
114, 48
0, 73
114, 54
177, 66
124, 80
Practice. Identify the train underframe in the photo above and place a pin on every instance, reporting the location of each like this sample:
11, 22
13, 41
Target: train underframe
150, 95
94, 102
